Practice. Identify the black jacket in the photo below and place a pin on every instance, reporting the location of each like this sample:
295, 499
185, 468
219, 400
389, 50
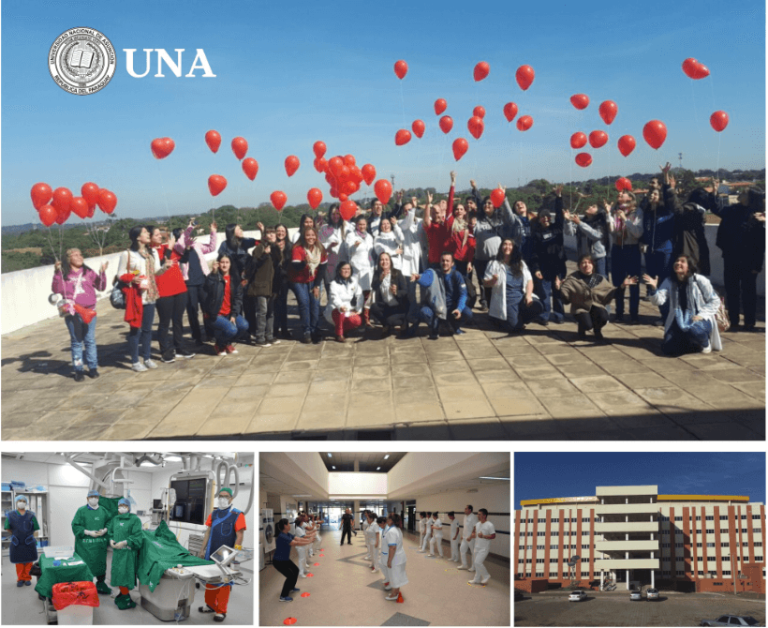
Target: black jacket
240, 256
689, 237
213, 295
397, 279
548, 246
741, 237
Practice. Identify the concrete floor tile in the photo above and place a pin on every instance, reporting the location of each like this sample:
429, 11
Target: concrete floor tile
735, 375
753, 389
574, 405
327, 411
467, 409
598, 384
457, 391
329, 387
404, 396
488, 364
371, 385
255, 379
412, 381
408, 359
538, 373
370, 371
375, 410
676, 403
724, 397
645, 380
620, 403
585, 368
624, 367
419, 411
510, 406
245, 393
297, 389
293, 377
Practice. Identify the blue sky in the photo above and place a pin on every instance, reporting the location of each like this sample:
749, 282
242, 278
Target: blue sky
291, 73
540, 475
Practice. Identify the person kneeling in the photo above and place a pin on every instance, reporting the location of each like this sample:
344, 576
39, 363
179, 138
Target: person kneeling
223, 304
690, 325
345, 302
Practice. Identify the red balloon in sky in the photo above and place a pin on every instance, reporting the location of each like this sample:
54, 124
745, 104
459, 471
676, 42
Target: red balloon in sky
460, 147
213, 139
524, 123
597, 139
62, 217
476, 126
626, 144
348, 209
719, 120
481, 70
239, 147
446, 124
479, 111
369, 173
90, 192
419, 127
622, 183
278, 199
383, 190
694, 69
41, 194
580, 101
584, 159
655, 133
403, 136
510, 111
578, 140
79, 207
440, 106
315, 197
401, 69
250, 168
497, 197
524, 76
291, 164
319, 148
162, 147
62, 197
107, 201
216, 184
47, 215
608, 110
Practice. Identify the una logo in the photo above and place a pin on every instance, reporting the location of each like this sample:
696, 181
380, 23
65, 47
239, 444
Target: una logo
82, 61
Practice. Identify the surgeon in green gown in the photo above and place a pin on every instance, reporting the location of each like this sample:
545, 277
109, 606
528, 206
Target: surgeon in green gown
125, 539
90, 529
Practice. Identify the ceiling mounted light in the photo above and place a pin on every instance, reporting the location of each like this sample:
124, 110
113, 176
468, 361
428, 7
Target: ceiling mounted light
378, 468
491, 478
330, 455
387, 456
333, 467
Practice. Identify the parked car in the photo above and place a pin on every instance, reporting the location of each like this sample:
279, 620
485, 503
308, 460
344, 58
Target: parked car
730, 620
652, 594
635, 596
577, 596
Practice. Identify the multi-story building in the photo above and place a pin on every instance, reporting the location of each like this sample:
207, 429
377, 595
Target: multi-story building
631, 534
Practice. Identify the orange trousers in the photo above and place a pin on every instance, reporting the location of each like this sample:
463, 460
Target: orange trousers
22, 571
217, 597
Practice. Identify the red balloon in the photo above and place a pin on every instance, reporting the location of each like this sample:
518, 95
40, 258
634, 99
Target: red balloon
578, 140
655, 132
315, 197
383, 190
608, 110
335, 193
525, 76
598, 139
41, 194
440, 106
239, 147
497, 197
319, 148
584, 159
335, 164
91, 211
403, 136
62, 197
342, 197
349, 187
291, 164
90, 192
479, 111
213, 139
350, 160
481, 70
47, 215
320, 164
626, 144
107, 201
216, 184
695, 69
446, 124
460, 147
348, 209
369, 173
510, 111
79, 206
401, 69
62, 217
344, 173
580, 101
524, 123
355, 174
162, 147
419, 127
622, 183
250, 168
719, 120
476, 126
278, 199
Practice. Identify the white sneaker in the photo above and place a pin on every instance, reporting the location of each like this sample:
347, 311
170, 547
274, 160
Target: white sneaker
472, 582
472, 569
150, 364
429, 556
421, 551
302, 576
707, 349
462, 568
486, 580
391, 598
387, 588
139, 367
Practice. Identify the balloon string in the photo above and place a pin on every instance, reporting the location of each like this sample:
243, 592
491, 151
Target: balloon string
719, 138
402, 103
696, 115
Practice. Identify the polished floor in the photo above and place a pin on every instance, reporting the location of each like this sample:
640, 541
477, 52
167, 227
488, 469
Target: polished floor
344, 592
21, 606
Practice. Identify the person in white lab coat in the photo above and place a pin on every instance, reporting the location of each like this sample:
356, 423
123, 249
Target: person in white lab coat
318, 538
345, 302
427, 533
309, 526
360, 246
422, 527
302, 549
467, 541
393, 554
365, 524
484, 533
437, 536
371, 531
454, 536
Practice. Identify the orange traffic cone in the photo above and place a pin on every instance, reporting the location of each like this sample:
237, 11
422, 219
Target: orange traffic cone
400, 599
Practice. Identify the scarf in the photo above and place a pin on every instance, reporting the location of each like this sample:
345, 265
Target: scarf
458, 226
591, 280
151, 292
313, 259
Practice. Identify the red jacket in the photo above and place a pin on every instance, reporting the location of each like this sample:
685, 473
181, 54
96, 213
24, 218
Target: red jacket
171, 282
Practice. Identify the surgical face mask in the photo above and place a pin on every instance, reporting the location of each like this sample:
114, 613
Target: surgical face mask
223, 503
21, 505
93, 502
122, 510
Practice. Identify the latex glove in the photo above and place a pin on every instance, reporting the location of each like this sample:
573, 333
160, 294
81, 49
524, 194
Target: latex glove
121, 544
89, 533
112, 543
101, 532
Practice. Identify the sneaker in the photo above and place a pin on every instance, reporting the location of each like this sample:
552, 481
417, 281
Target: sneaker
273, 341
19, 583
183, 353
634, 320
659, 322
262, 343
707, 349
307, 339
93, 373
387, 587
302, 576
150, 364
341, 339
199, 342
391, 598
295, 590
219, 617
231, 349
618, 318
485, 581
219, 350
79, 376
168, 359
433, 336
139, 367
286, 599
472, 582
458, 331
27, 583
462, 568
429, 556
472, 569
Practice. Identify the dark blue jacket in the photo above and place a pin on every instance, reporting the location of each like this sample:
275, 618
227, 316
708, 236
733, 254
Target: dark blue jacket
455, 288
659, 227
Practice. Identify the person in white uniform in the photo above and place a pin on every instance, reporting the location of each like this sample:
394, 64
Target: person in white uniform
371, 532
381, 524
365, 525
309, 526
454, 537
427, 533
437, 536
467, 540
422, 527
302, 549
318, 538
393, 554
484, 533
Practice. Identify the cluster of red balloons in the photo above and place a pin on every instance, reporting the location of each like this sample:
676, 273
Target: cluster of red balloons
56, 206
216, 182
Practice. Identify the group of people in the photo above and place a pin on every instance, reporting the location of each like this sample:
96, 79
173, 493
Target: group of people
397, 270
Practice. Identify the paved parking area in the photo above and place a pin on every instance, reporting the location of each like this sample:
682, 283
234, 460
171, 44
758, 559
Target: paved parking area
542, 385
615, 609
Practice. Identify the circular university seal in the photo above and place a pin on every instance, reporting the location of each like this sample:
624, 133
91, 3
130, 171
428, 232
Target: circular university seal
82, 61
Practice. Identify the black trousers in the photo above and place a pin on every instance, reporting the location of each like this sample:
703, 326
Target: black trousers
348, 532
389, 315
291, 572
281, 309
740, 291
596, 318
193, 305
171, 310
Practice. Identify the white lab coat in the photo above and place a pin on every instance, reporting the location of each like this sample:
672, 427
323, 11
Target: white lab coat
396, 574
411, 229
360, 257
427, 533
332, 235
390, 242
498, 306
342, 294
301, 550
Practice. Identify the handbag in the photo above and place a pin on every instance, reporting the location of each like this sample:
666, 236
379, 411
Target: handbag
117, 296
721, 316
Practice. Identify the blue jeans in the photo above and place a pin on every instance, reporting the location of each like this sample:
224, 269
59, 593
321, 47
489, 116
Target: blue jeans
309, 307
659, 264
519, 314
427, 315
225, 331
83, 336
626, 263
695, 338
143, 334
552, 311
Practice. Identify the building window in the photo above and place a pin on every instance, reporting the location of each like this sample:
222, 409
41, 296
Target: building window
745, 544
665, 544
585, 533
698, 544
529, 546
758, 559
527, 560
725, 559
529, 534
724, 544
712, 531
521, 547
678, 518
679, 573
541, 520
756, 517
664, 573
553, 574
665, 532
757, 530
585, 519
553, 560
541, 547
700, 574
758, 543
743, 530
678, 544
539, 574
726, 573
528, 575
573, 547
698, 517
555, 520
553, 547
662, 518
743, 517
555, 533
710, 544
586, 547
541, 534
540, 560
723, 517
717, 584
710, 517
520, 561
